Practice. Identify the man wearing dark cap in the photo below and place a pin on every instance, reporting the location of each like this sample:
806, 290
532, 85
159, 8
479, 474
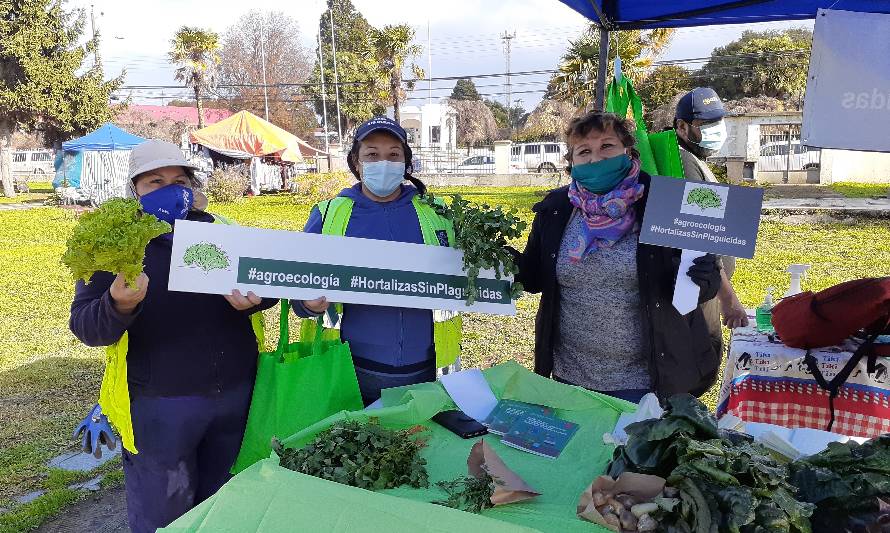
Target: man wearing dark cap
701, 133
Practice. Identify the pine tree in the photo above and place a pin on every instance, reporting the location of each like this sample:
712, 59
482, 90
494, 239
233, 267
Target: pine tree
44, 84
360, 83
465, 89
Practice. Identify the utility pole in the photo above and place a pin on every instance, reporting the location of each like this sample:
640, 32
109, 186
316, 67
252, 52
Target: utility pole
507, 37
518, 103
95, 40
263, 56
324, 98
336, 75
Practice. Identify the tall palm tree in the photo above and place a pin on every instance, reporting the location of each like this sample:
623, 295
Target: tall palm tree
638, 49
393, 48
196, 51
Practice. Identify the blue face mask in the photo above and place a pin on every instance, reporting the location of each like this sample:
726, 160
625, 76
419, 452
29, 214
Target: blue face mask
602, 176
168, 203
713, 136
382, 178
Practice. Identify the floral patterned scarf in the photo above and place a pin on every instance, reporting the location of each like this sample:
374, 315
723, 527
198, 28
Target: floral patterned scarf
606, 217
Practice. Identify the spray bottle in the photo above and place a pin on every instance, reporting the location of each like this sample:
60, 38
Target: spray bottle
764, 314
797, 272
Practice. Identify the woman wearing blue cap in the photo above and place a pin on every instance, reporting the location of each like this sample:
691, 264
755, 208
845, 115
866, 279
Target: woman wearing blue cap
391, 346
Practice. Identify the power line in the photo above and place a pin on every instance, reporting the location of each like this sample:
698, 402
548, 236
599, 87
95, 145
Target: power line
711, 72
754, 55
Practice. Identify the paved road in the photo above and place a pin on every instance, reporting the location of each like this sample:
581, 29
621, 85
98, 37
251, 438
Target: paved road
865, 206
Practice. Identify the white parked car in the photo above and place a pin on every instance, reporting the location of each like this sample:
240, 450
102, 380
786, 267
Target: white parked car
33, 162
774, 156
539, 156
477, 164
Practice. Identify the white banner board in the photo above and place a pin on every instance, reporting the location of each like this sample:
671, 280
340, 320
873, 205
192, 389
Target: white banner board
216, 258
847, 103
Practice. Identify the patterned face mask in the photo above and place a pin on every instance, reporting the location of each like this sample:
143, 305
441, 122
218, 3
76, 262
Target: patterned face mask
168, 203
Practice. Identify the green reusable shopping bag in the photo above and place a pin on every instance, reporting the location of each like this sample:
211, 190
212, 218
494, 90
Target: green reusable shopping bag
297, 385
659, 152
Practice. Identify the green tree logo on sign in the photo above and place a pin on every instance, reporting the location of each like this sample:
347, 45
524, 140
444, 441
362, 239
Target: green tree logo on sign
206, 256
704, 198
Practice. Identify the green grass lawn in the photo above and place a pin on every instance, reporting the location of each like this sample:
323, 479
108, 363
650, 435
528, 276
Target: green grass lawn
861, 190
48, 380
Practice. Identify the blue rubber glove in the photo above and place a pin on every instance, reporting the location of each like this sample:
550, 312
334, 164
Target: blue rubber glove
96, 431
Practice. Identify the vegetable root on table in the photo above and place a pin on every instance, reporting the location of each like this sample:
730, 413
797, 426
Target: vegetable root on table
629, 514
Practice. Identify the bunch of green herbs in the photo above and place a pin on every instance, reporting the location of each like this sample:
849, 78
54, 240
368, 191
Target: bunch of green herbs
848, 483
112, 239
482, 234
727, 483
469, 493
364, 455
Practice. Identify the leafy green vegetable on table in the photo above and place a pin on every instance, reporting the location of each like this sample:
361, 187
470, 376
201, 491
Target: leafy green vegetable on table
482, 233
364, 455
112, 239
469, 493
727, 483
847, 482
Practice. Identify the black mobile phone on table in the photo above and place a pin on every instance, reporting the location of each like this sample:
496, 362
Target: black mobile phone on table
460, 424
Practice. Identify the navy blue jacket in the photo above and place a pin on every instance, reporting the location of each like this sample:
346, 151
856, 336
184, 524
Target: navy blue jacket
383, 338
180, 344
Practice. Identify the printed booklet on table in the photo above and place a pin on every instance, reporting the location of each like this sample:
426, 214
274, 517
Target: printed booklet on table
546, 436
507, 412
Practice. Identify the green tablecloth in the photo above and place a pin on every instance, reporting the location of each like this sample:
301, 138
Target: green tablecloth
269, 498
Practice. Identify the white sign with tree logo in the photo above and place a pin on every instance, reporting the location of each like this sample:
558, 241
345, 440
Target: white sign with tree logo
217, 258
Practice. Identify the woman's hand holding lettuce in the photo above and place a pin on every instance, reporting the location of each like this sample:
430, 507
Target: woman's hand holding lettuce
112, 239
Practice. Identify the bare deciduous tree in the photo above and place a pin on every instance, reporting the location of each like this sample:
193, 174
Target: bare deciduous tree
148, 127
287, 64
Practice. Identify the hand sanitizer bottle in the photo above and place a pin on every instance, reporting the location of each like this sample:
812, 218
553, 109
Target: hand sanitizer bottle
797, 271
764, 314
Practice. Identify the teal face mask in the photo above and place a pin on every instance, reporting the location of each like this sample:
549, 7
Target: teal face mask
602, 176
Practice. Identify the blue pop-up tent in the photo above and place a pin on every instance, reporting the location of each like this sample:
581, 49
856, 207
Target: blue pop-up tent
96, 163
611, 15
107, 138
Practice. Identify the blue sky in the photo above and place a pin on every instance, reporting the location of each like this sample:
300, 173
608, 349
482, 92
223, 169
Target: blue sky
464, 37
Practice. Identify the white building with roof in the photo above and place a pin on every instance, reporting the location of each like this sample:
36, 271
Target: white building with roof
430, 126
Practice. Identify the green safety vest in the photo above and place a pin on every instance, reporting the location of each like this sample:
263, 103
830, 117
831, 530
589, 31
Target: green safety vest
114, 394
437, 231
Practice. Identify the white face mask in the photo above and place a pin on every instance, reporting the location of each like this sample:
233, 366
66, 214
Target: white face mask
713, 136
382, 178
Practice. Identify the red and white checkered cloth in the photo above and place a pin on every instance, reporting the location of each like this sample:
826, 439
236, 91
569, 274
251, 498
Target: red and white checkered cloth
767, 382
793, 405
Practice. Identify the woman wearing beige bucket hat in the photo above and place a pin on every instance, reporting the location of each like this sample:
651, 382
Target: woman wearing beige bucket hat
189, 359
